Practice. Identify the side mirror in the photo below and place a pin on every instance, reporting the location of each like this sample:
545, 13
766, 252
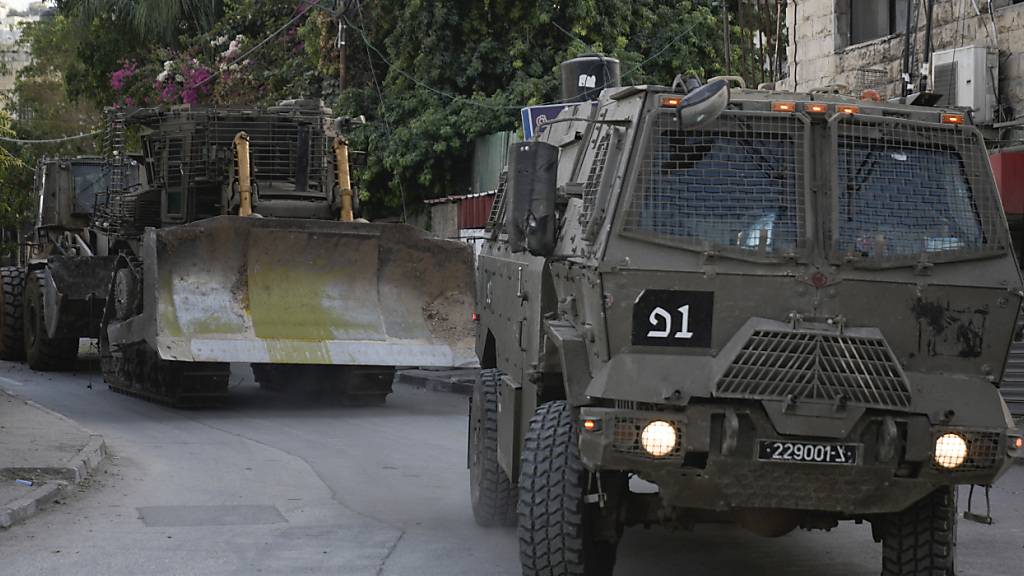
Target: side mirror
533, 167
703, 105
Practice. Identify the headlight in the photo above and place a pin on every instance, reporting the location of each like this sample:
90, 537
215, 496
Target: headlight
658, 438
950, 451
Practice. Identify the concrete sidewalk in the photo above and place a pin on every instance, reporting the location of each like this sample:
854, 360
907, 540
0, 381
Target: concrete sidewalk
41, 454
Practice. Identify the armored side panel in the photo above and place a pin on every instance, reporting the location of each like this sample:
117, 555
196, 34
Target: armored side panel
77, 289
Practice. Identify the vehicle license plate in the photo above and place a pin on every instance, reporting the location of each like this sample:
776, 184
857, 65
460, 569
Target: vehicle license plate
809, 452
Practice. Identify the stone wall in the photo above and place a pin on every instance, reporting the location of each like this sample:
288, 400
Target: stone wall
818, 56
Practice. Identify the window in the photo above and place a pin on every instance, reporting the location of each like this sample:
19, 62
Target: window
90, 179
904, 190
865, 20
734, 185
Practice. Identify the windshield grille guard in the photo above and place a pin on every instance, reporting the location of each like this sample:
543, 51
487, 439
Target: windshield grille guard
909, 191
735, 186
807, 365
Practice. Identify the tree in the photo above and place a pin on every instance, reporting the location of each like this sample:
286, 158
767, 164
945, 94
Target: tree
13, 201
43, 111
162, 20
430, 75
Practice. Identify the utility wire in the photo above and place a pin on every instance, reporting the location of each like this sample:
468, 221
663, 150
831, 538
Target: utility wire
573, 36
259, 44
68, 138
49, 140
479, 104
380, 96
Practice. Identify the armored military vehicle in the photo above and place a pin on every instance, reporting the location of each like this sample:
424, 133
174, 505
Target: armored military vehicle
230, 238
708, 304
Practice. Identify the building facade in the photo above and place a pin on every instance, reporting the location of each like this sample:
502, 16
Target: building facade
976, 57
14, 56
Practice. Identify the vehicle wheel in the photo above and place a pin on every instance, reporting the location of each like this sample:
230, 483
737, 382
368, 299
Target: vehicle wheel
557, 528
921, 540
42, 352
492, 493
12, 340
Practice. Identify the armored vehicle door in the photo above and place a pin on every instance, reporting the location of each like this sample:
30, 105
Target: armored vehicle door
48, 184
504, 300
89, 178
173, 167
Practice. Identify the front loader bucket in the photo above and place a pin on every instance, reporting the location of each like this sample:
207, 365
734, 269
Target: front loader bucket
288, 291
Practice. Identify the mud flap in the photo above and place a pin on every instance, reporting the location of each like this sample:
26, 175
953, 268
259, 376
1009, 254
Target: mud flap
510, 431
572, 353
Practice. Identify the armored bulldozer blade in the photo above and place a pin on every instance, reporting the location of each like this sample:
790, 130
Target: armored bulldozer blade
293, 293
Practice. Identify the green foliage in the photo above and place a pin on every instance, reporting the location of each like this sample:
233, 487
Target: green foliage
473, 64
161, 20
43, 111
430, 75
13, 201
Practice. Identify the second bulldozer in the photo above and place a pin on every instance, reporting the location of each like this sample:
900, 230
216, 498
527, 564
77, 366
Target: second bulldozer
231, 240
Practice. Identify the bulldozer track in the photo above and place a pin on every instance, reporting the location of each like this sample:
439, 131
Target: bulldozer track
189, 401
137, 371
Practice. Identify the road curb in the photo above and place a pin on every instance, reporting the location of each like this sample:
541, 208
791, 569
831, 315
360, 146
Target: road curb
60, 478
87, 459
52, 413
76, 469
27, 506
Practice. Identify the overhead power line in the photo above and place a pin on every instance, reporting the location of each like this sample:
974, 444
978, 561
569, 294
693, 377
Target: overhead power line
261, 43
50, 140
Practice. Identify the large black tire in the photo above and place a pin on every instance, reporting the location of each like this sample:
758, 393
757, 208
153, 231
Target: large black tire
921, 540
556, 526
492, 493
43, 353
12, 344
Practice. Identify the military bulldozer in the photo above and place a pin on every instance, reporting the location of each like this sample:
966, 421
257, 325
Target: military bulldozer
230, 239
702, 303
65, 191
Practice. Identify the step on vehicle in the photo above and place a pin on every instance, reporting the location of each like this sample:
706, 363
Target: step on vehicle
713, 304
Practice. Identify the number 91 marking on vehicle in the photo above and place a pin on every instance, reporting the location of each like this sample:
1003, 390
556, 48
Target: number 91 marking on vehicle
678, 318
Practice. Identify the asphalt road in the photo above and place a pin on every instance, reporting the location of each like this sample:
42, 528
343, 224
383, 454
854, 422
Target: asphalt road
277, 485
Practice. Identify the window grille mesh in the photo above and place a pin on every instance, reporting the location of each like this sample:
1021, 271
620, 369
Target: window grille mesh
815, 366
735, 184
289, 150
906, 189
627, 432
984, 450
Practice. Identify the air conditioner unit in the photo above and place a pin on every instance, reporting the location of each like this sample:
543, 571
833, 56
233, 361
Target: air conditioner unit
967, 77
